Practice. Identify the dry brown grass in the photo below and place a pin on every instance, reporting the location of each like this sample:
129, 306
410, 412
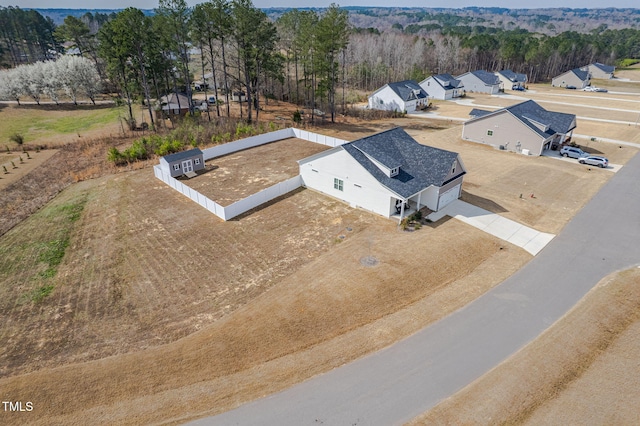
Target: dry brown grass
582, 370
235, 176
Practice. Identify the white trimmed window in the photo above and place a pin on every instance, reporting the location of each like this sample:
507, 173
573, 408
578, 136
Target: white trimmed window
489, 132
196, 161
176, 167
338, 184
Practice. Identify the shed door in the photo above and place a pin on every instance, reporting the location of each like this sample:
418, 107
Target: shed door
449, 196
187, 166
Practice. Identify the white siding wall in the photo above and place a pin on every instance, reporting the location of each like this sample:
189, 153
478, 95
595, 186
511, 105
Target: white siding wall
360, 189
435, 90
390, 101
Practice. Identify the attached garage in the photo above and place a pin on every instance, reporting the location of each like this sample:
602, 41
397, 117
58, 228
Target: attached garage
449, 195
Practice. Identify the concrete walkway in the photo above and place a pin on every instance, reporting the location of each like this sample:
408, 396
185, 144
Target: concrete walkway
522, 236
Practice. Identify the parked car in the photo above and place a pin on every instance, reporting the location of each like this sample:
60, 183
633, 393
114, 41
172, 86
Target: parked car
573, 152
571, 87
589, 89
594, 160
212, 100
518, 88
599, 89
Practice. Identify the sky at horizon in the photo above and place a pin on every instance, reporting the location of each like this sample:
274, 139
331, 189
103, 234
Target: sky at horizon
151, 4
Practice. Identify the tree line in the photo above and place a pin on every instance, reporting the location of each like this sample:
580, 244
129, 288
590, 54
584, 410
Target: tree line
309, 57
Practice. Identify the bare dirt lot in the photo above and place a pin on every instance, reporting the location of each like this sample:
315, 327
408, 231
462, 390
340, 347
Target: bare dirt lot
17, 169
582, 370
235, 176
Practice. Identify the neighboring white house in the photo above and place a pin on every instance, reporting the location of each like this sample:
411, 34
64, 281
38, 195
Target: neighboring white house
510, 80
401, 96
442, 86
480, 81
388, 173
576, 77
183, 163
598, 70
525, 128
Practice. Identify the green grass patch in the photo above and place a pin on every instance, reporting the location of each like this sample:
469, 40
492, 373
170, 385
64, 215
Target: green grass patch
37, 123
31, 253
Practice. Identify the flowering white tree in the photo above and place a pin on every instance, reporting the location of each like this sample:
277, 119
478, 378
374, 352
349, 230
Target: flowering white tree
34, 75
11, 85
72, 74
78, 75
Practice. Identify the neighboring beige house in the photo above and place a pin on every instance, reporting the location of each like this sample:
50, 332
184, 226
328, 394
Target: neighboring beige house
510, 80
525, 128
576, 77
598, 70
480, 81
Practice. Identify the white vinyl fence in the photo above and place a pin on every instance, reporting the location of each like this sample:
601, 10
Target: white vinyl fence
261, 197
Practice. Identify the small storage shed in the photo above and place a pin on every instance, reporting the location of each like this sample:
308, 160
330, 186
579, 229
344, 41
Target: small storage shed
183, 163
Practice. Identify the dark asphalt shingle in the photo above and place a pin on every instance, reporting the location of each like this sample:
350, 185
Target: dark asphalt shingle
182, 155
420, 166
408, 90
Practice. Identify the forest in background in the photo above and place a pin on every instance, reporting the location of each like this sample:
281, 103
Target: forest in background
317, 58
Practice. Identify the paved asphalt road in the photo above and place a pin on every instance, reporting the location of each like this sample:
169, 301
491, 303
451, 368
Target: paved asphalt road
395, 384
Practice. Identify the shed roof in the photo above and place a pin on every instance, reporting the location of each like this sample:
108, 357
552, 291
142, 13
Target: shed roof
420, 166
182, 155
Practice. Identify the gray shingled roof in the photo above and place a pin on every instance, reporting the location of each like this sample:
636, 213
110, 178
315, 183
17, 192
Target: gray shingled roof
405, 89
603, 67
528, 111
581, 74
447, 81
479, 112
420, 166
486, 77
514, 76
182, 155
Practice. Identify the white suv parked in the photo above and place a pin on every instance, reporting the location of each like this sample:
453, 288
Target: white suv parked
573, 152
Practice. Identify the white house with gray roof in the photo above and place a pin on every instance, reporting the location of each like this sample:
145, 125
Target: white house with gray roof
525, 128
480, 81
576, 77
388, 173
401, 96
598, 70
510, 80
442, 86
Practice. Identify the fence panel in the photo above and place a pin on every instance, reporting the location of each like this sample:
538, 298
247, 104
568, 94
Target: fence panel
262, 197
249, 142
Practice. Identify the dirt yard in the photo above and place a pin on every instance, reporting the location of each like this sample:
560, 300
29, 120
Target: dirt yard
16, 169
235, 176
582, 370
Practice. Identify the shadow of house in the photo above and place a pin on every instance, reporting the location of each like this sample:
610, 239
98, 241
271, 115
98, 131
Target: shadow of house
482, 202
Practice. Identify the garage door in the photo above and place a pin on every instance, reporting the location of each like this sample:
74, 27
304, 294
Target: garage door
448, 196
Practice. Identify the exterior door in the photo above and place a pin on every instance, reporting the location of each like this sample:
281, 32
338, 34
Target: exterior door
187, 166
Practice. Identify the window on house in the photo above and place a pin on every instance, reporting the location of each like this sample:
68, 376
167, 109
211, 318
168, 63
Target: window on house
196, 161
453, 169
176, 167
381, 102
394, 172
489, 132
338, 184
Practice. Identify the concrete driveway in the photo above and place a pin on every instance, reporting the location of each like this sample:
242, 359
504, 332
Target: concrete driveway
506, 229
